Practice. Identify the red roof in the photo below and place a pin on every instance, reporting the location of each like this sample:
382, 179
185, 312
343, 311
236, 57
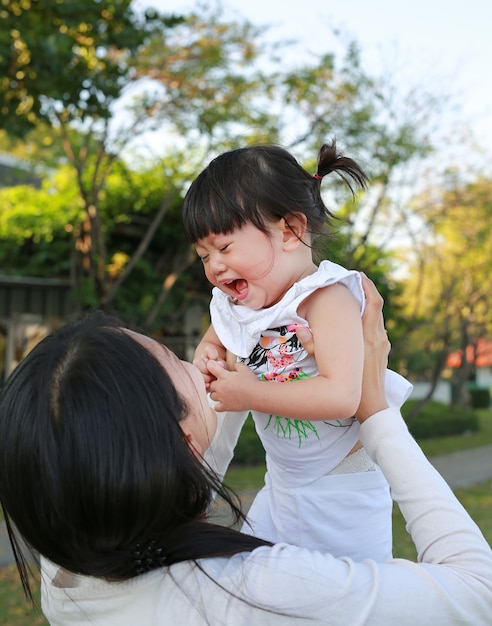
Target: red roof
482, 353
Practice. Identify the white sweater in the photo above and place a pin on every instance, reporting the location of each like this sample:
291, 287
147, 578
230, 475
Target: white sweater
451, 584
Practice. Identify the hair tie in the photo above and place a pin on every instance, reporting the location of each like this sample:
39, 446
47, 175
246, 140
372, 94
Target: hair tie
148, 557
317, 176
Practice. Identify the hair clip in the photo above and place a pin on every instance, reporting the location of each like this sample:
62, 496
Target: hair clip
317, 176
148, 557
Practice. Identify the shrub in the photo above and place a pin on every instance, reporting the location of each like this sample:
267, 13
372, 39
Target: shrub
437, 419
480, 397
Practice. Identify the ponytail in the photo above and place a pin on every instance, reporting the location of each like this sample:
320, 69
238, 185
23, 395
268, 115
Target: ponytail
331, 160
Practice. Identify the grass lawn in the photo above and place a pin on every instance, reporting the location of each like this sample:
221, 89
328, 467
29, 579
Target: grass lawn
477, 500
15, 610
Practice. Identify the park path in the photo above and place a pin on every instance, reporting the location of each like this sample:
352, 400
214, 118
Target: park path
459, 469
466, 467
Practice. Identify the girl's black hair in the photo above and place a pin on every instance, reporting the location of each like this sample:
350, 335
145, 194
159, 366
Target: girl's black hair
95, 471
262, 184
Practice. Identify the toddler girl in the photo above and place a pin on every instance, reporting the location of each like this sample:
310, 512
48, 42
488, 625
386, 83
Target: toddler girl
252, 214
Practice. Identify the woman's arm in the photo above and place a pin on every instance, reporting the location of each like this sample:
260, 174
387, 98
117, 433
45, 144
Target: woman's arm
451, 584
221, 451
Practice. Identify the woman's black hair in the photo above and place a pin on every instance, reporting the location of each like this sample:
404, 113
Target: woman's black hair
96, 473
262, 184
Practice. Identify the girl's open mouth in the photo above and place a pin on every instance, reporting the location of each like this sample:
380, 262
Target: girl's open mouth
238, 287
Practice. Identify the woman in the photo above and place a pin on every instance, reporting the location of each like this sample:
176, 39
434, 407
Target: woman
101, 472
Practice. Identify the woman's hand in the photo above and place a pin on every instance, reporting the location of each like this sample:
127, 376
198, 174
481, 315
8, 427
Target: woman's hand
376, 350
305, 337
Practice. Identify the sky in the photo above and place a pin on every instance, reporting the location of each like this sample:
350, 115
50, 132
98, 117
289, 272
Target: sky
433, 42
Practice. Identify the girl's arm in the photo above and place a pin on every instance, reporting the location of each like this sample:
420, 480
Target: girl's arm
334, 318
209, 340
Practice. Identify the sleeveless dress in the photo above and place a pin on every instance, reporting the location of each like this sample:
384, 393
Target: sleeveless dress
314, 495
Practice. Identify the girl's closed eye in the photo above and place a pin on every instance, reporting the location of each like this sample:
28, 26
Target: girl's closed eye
202, 253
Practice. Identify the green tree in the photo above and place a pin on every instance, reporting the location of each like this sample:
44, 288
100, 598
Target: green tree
36, 226
209, 87
74, 65
147, 257
65, 64
447, 299
37, 236
196, 79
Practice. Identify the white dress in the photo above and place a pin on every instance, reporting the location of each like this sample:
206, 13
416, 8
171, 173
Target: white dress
313, 496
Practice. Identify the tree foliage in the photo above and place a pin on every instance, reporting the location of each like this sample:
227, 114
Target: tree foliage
66, 61
65, 64
207, 80
448, 299
387, 131
113, 73
36, 225
75, 66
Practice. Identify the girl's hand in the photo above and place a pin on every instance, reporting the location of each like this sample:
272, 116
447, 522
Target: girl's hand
232, 390
207, 352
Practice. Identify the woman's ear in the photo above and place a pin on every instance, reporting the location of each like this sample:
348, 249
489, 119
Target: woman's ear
294, 230
193, 444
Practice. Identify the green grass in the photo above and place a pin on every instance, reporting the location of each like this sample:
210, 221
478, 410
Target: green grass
245, 477
477, 500
15, 610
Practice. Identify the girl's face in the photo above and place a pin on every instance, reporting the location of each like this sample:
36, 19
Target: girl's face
247, 264
201, 422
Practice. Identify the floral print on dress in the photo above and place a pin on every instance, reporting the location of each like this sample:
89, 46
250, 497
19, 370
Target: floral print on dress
274, 359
